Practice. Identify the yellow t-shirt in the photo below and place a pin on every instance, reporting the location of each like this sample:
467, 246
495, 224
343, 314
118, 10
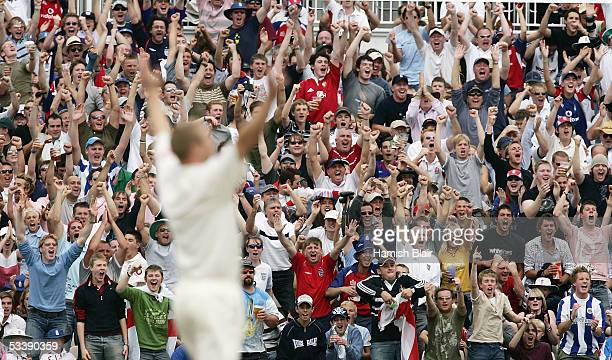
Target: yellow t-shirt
461, 260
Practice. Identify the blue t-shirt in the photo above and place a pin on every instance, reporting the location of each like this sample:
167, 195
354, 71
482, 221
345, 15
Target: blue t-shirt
246, 39
48, 280
572, 109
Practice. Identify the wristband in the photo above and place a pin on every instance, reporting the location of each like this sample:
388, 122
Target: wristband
20, 149
68, 153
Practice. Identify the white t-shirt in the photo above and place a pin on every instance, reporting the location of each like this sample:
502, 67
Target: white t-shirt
357, 15
553, 64
474, 53
606, 69
263, 276
438, 65
319, 233
274, 253
350, 182
198, 202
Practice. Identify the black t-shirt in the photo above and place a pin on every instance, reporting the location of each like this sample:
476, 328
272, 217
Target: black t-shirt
510, 247
388, 110
594, 191
548, 204
564, 42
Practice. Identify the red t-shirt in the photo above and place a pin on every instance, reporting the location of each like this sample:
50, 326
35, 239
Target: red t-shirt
326, 89
516, 70
352, 279
508, 289
48, 9
313, 280
352, 156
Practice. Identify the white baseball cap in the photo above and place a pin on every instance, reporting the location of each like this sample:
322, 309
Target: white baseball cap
304, 299
332, 214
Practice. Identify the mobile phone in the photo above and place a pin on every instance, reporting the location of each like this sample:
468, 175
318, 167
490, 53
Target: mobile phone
248, 87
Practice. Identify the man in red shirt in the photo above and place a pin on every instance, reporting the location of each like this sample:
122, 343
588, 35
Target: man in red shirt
321, 92
315, 272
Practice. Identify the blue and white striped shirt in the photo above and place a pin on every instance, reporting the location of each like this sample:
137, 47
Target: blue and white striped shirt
580, 339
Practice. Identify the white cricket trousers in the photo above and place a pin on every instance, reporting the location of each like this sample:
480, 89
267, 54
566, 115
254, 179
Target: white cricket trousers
209, 317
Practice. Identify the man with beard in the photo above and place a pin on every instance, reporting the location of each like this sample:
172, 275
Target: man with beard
356, 80
444, 322
303, 338
580, 319
259, 309
503, 241
597, 185
100, 313
150, 307
314, 272
344, 341
244, 30
152, 36
589, 244
345, 282
392, 107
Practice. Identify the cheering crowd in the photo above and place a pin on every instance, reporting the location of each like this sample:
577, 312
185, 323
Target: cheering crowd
446, 196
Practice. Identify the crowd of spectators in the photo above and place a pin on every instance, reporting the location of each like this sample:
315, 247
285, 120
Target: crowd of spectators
445, 196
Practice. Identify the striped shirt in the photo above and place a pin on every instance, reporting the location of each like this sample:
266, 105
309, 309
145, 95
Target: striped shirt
274, 253
579, 339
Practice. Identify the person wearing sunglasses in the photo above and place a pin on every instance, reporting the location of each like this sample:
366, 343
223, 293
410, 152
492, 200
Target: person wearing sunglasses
260, 311
263, 272
536, 306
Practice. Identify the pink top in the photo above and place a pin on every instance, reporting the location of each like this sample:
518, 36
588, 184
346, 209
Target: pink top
590, 249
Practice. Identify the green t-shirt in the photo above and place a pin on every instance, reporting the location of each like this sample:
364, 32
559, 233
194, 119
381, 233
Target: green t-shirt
108, 136
444, 334
151, 318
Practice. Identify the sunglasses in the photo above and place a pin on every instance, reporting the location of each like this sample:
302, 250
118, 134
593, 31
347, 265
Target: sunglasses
6, 172
539, 94
367, 213
296, 142
248, 272
607, 136
255, 246
534, 298
76, 49
474, 94
71, 23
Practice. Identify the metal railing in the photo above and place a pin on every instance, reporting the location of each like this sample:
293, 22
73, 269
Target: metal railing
387, 11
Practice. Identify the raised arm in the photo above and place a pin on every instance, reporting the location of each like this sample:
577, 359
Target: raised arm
550, 86
544, 29
287, 243
560, 212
